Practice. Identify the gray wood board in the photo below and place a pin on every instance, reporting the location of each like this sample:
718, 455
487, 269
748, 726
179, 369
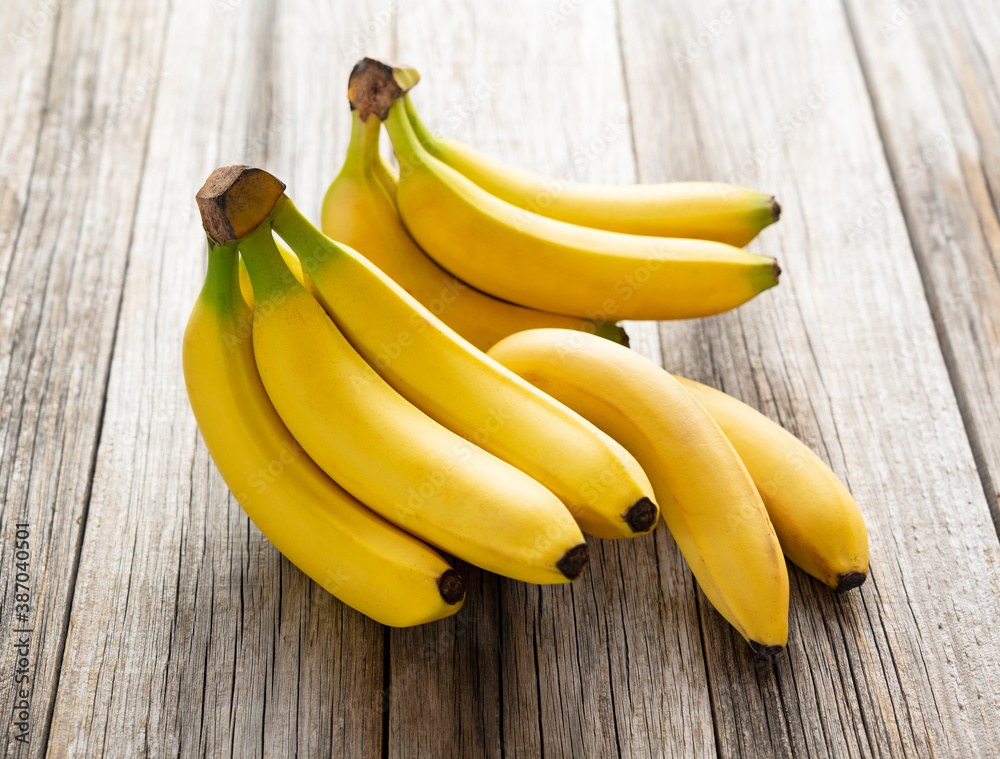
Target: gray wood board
932, 68
76, 122
190, 634
614, 665
843, 353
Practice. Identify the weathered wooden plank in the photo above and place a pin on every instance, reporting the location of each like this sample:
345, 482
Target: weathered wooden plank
933, 68
71, 149
190, 635
612, 665
843, 353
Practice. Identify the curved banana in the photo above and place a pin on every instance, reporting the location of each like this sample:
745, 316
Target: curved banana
359, 211
564, 268
468, 392
706, 496
374, 443
818, 522
347, 549
703, 210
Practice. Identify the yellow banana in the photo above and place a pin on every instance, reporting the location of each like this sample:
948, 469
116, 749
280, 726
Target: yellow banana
291, 261
555, 266
707, 498
385, 174
365, 435
469, 393
703, 210
359, 211
818, 523
356, 555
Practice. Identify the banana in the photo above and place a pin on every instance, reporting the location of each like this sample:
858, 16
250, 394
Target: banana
359, 211
818, 522
462, 388
554, 266
365, 435
291, 261
703, 210
707, 498
347, 549
385, 174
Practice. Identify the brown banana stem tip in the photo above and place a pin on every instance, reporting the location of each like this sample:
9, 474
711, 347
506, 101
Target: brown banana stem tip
775, 209
850, 580
777, 271
574, 561
624, 337
641, 515
763, 651
375, 83
235, 200
451, 587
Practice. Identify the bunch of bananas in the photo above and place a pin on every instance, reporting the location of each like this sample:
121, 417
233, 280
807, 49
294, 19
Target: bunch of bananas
343, 390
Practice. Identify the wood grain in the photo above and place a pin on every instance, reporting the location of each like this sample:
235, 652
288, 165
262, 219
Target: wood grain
933, 69
71, 153
190, 635
612, 665
165, 624
843, 353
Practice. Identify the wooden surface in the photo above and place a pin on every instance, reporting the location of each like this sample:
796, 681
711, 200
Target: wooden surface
162, 622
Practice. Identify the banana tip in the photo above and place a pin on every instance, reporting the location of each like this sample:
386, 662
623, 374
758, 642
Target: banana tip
574, 561
765, 652
451, 587
775, 209
641, 515
777, 271
849, 580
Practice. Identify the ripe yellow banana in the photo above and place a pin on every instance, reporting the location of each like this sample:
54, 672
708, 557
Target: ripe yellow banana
555, 266
707, 498
365, 435
818, 523
469, 393
359, 211
350, 551
703, 210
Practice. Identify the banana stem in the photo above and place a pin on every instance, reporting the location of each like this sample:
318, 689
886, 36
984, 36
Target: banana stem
269, 274
221, 288
407, 147
362, 150
311, 246
427, 138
